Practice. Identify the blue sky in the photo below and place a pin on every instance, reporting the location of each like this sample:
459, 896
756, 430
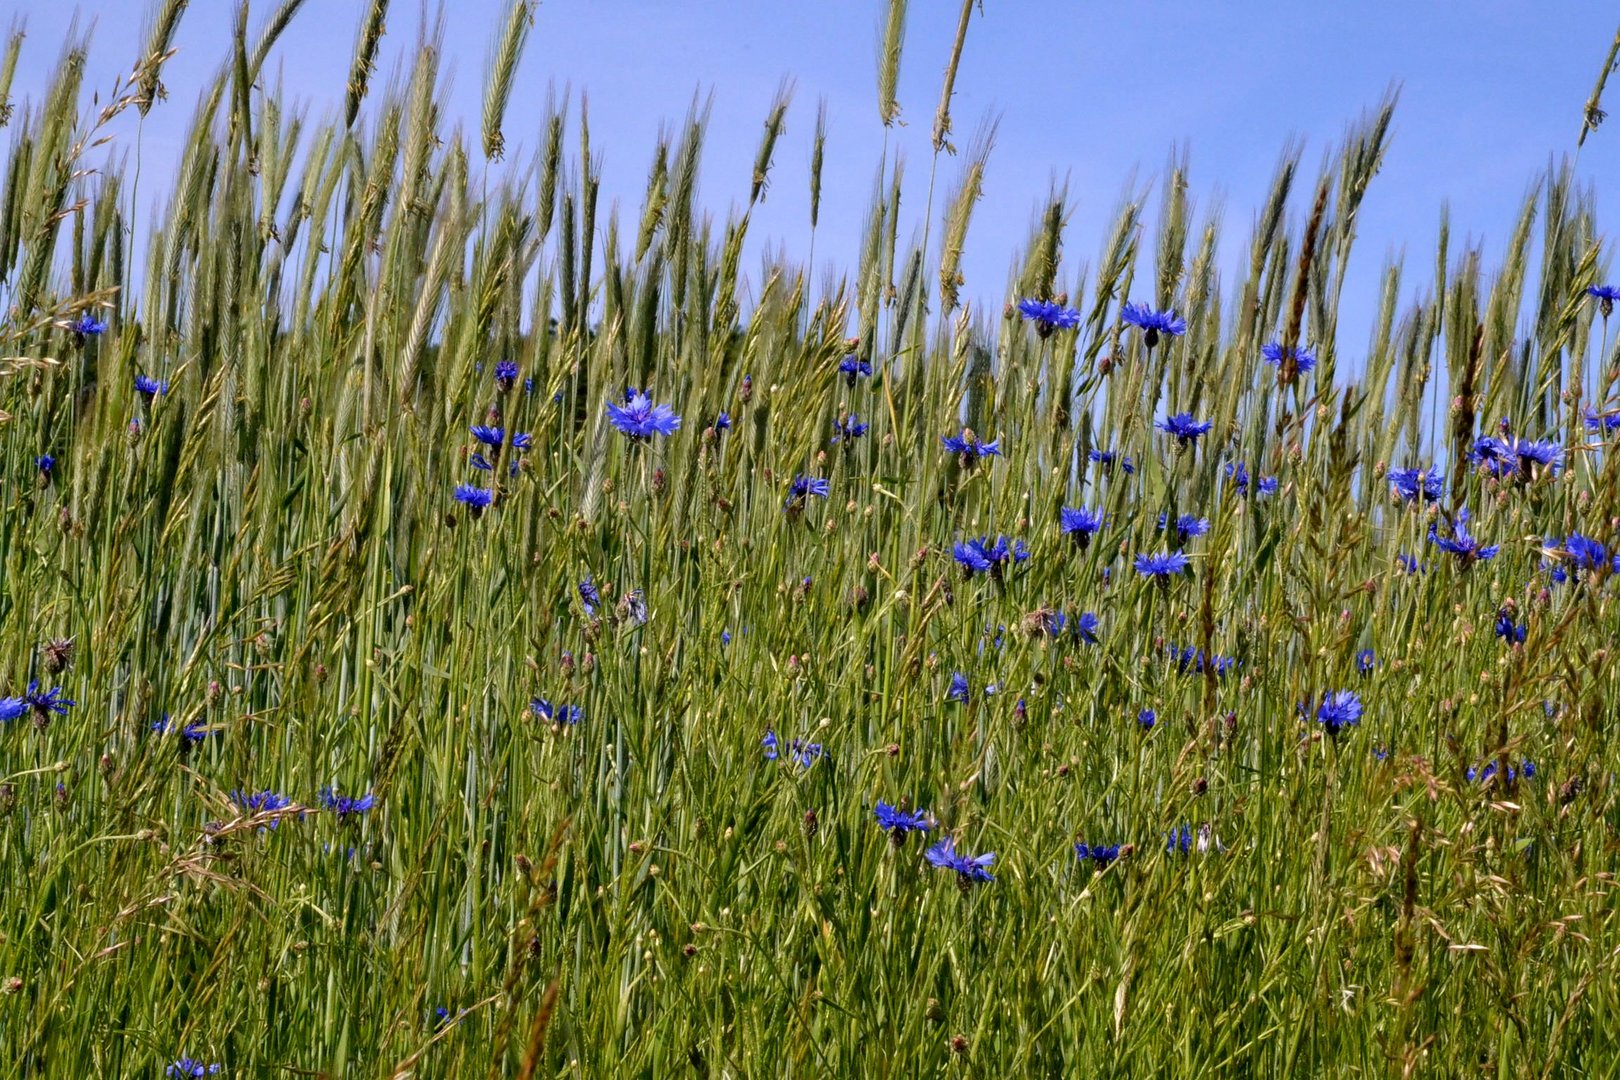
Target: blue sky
1491, 91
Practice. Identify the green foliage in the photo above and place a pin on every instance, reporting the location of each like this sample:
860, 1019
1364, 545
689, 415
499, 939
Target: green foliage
269, 555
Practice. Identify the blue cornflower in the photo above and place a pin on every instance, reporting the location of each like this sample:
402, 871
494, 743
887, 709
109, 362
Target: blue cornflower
635, 606
897, 822
1339, 708
1109, 458
1180, 840
804, 753
801, 489
1048, 316
969, 868
1586, 553
1080, 523
1366, 660
639, 418
849, 429
1184, 427
968, 445
725, 637
853, 368
1605, 295
556, 714
346, 807
1602, 422
1189, 658
986, 556
1152, 322
192, 733
489, 436
45, 703
190, 1067
958, 690
1162, 566
506, 373
1416, 485
1147, 718
1461, 542
1509, 631
45, 463
522, 440
1101, 854
150, 387
590, 595
87, 325
1085, 627
11, 708
476, 498
722, 422
1489, 772
1274, 352
1268, 485
1409, 564
1511, 456
1187, 525
261, 802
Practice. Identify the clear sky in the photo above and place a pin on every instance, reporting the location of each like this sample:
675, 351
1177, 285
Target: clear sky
1491, 92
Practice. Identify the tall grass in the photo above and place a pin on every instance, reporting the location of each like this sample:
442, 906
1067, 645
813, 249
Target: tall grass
258, 580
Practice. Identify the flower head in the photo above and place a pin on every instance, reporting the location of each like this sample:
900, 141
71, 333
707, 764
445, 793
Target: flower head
1605, 295
1586, 553
1098, 854
1366, 661
958, 690
190, 1067
506, 373
1048, 316
1274, 353
46, 703
1186, 525
346, 807
1147, 718
1461, 542
848, 429
1162, 566
1179, 840
192, 733
87, 325
556, 714
801, 489
1108, 459
477, 499
969, 447
639, 418
1188, 658
261, 802
1184, 427
1509, 631
1603, 423
897, 822
1416, 485
11, 708
1511, 457
45, 463
1085, 627
1490, 771
590, 595
969, 868
1152, 322
984, 556
1080, 523
1339, 709
853, 367
722, 422
150, 387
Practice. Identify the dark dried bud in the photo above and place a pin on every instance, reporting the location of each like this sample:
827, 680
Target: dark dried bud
58, 655
810, 823
8, 799
959, 1045
658, 481
1200, 786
